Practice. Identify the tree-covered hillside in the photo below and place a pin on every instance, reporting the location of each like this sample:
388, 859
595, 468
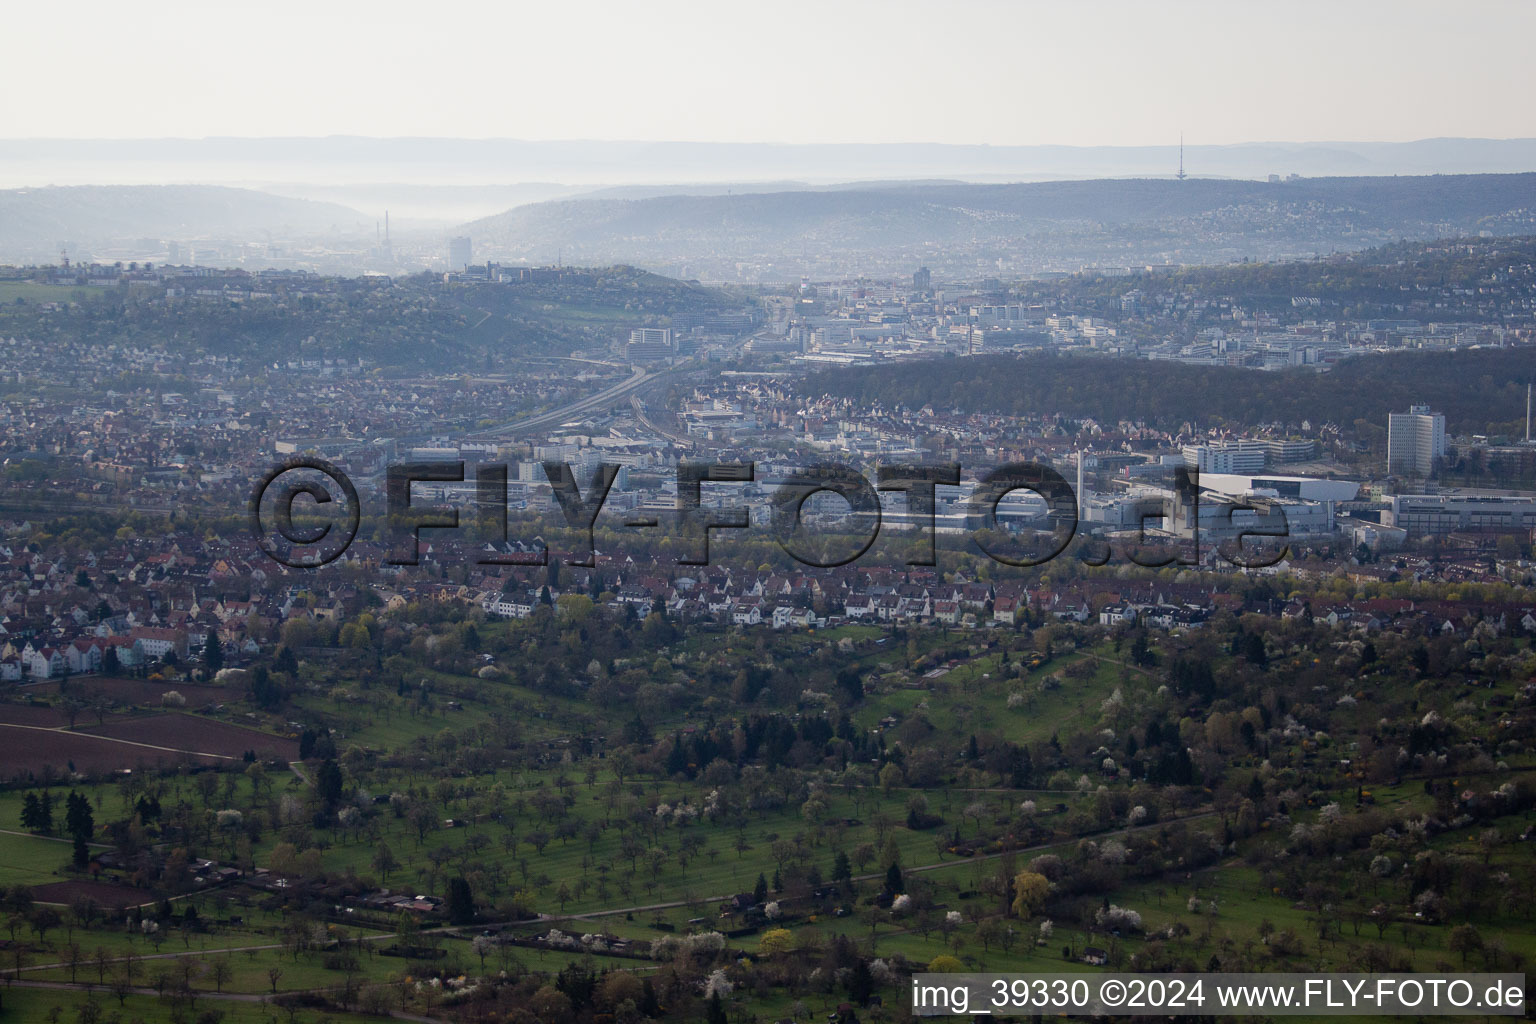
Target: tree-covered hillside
415, 322
1114, 220
1480, 391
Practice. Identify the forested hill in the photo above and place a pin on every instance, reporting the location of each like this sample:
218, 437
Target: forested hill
1480, 390
1128, 220
408, 322
1473, 280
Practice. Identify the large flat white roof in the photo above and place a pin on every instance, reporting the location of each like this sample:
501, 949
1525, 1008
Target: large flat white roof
1310, 488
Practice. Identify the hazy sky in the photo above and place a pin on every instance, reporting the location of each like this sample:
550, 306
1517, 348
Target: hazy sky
1072, 72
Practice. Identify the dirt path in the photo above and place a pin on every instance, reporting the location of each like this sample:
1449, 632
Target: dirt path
113, 739
228, 997
51, 839
921, 869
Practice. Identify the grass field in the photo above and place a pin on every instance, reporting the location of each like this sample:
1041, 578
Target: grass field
38, 1004
30, 291
31, 860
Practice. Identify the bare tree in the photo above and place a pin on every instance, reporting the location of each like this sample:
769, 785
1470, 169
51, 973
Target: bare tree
122, 983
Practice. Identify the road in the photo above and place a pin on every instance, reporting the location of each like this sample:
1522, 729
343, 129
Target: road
604, 397
639, 407
607, 396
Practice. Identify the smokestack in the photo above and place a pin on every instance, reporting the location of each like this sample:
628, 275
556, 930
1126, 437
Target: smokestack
1079, 485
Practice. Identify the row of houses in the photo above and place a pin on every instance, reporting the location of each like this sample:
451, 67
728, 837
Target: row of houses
1402, 615
1155, 616
738, 610
88, 655
877, 596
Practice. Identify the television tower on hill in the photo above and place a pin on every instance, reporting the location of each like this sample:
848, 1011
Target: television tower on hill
1181, 174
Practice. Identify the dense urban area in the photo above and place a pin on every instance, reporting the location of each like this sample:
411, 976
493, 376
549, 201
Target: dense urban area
1270, 706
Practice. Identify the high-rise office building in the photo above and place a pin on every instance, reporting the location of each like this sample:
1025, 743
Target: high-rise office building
649, 345
460, 252
651, 336
1414, 440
